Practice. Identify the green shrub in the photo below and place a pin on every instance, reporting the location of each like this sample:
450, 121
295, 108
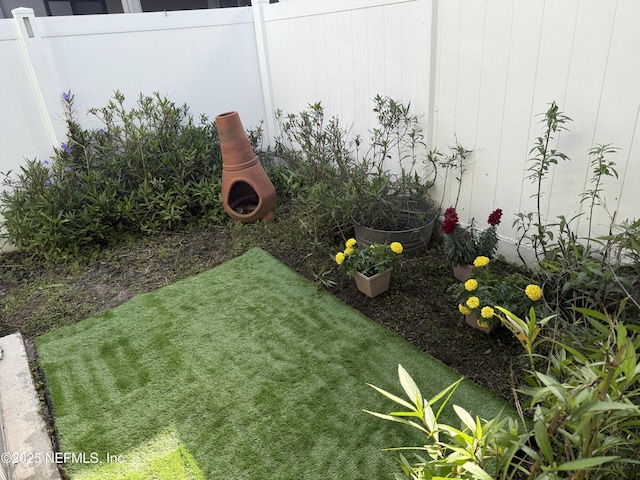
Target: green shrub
149, 168
337, 174
320, 162
581, 416
580, 271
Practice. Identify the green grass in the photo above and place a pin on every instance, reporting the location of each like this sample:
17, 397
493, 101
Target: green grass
244, 371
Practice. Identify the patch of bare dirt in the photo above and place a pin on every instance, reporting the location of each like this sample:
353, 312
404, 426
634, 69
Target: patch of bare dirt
417, 307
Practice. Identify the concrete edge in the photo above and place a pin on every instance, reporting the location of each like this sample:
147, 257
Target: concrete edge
27, 453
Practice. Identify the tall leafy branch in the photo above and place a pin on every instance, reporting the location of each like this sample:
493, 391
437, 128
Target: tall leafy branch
543, 158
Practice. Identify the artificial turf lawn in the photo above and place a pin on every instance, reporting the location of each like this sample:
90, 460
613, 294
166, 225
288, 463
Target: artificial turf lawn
248, 369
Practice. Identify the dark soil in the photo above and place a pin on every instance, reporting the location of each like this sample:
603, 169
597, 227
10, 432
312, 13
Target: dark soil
36, 296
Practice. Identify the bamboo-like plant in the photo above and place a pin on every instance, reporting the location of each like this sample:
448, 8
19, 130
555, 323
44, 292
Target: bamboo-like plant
544, 156
468, 452
601, 168
581, 419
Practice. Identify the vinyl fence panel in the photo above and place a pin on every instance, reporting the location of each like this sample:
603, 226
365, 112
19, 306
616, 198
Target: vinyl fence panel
343, 54
501, 63
206, 59
23, 133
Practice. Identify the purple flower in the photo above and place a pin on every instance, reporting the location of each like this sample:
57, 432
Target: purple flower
66, 148
47, 183
46, 162
66, 96
102, 130
67, 169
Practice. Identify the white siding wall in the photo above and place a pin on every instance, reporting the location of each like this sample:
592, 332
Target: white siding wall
492, 66
500, 63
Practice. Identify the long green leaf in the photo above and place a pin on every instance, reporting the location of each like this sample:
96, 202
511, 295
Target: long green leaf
411, 389
592, 313
465, 417
629, 359
476, 470
597, 406
429, 418
542, 439
450, 390
397, 420
444, 392
585, 463
457, 434
391, 396
405, 414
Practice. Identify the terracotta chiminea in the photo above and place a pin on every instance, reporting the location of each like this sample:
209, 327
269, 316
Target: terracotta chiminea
247, 192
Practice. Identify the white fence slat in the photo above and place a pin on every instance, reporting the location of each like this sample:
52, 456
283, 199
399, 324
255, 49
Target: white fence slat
554, 59
587, 72
618, 118
488, 172
22, 132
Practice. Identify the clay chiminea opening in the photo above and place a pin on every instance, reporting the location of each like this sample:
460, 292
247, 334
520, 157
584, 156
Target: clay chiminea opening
243, 199
247, 192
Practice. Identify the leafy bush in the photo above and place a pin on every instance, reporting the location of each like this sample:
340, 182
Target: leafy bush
319, 156
337, 173
469, 452
580, 272
148, 169
580, 420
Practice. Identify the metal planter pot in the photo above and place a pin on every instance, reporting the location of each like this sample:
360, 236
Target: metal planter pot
413, 240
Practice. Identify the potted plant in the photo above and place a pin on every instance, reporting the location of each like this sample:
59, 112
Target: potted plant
479, 295
394, 207
463, 244
379, 187
370, 265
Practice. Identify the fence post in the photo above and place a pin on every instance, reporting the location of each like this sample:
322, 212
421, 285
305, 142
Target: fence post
434, 53
39, 70
131, 6
265, 67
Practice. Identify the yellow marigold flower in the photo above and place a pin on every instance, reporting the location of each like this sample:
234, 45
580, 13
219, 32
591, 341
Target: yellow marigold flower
483, 323
473, 302
534, 292
487, 312
481, 261
463, 310
396, 247
348, 250
471, 284
339, 258
351, 242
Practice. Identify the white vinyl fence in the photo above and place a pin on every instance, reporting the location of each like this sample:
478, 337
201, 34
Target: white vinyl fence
502, 62
479, 70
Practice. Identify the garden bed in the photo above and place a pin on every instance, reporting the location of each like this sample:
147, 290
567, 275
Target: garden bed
36, 298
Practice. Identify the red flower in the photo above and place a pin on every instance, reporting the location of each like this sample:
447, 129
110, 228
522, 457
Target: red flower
451, 213
450, 221
494, 218
448, 226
